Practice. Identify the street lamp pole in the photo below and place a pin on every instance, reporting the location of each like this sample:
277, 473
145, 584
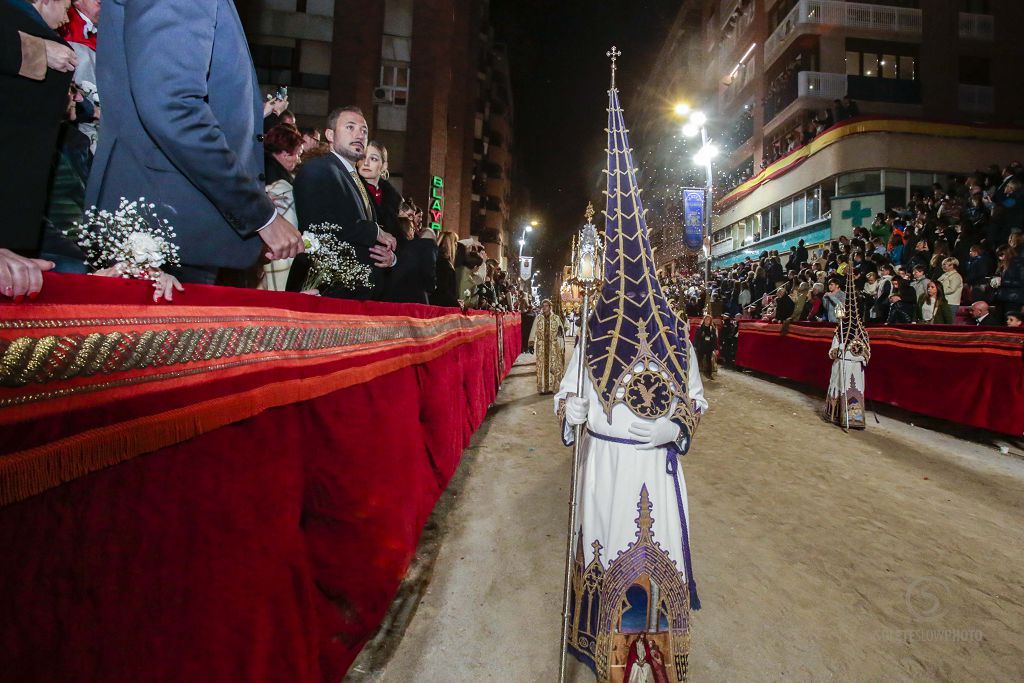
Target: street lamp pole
522, 240
708, 206
694, 126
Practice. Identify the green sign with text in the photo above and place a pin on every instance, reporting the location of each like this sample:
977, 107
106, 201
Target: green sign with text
436, 203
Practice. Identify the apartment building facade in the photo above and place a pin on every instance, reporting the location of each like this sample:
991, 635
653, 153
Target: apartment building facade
933, 82
432, 81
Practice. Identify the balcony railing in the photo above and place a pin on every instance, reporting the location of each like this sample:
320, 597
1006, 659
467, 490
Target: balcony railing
848, 14
723, 247
977, 26
977, 98
819, 84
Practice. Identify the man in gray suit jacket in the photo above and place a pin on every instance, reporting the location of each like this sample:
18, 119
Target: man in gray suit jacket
181, 115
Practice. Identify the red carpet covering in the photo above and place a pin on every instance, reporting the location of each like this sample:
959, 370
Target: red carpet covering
969, 375
226, 488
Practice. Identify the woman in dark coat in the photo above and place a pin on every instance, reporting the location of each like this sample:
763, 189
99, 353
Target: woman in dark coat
446, 291
705, 343
413, 277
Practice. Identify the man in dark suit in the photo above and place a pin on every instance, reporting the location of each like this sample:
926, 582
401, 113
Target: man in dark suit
182, 117
983, 315
36, 67
329, 189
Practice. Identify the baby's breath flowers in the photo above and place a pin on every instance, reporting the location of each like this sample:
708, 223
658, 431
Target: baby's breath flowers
133, 240
332, 262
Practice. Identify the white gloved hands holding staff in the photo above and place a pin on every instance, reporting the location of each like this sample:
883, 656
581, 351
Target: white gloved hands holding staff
654, 434
576, 410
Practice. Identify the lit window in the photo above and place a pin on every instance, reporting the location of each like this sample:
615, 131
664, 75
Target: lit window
394, 84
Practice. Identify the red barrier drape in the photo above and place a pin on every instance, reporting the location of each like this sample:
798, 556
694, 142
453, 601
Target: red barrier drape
268, 549
969, 375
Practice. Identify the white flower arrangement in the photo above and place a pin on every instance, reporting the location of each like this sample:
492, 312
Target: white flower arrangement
90, 92
133, 240
332, 262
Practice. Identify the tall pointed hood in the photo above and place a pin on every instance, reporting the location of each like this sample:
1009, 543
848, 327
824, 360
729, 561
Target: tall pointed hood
637, 351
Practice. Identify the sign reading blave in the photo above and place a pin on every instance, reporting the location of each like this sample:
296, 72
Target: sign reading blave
693, 217
436, 203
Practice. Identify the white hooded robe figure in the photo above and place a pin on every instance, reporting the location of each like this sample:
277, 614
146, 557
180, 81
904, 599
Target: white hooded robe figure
641, 401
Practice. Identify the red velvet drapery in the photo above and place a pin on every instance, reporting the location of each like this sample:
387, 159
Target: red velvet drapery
969, 375
267, 549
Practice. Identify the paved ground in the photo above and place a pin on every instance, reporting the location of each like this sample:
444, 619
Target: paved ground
889, 555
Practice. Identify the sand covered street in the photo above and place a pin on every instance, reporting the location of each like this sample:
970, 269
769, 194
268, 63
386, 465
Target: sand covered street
892, 554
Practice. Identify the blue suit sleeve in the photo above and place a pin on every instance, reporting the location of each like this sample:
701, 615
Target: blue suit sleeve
168, 49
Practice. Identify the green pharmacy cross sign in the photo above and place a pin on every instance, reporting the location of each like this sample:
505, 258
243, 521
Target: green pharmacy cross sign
436, 203
856, 213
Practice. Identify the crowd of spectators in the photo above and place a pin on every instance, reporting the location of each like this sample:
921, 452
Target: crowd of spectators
955, 256
334, 174
806, 129
808, 126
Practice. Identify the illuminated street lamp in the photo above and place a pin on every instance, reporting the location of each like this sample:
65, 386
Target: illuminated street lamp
527, 228
694, 126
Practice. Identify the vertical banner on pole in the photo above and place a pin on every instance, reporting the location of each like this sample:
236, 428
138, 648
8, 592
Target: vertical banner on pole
693, 218
525, 267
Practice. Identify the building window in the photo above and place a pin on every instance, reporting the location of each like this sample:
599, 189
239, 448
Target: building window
813, 204
799, 210
921, 184
895, 188
828, 191
394, 83
881, 64
975, 70
861, 182
907, 69
273, 64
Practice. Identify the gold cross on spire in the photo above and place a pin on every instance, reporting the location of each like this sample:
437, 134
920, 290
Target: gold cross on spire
589, 213
614, 53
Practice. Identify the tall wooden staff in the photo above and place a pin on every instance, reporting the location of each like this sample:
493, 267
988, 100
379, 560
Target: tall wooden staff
586, 275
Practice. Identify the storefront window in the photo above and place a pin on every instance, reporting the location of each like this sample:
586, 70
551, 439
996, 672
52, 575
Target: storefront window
813, 210
799, 207
861, 182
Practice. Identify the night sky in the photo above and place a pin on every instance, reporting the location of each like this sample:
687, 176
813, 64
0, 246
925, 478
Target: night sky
560, 78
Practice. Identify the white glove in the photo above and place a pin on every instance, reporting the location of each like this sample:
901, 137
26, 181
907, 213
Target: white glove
576, 410
654, 434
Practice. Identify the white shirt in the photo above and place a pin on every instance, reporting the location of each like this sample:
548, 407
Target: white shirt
345, 162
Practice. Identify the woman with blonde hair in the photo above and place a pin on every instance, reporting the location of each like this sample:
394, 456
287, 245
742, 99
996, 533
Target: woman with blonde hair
374, 170
952, 284
445, 294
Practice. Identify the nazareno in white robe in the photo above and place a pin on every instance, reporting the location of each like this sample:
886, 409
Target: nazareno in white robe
611, 477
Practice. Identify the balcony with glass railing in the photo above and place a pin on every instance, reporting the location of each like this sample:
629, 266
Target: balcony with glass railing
977, 26
854, 15
819, 84
978, 99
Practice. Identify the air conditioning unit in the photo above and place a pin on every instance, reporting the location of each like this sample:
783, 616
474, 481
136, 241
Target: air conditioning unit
383, 96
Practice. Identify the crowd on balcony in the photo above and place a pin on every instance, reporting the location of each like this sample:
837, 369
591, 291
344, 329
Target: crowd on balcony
807, 127
955, 256
241, 196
